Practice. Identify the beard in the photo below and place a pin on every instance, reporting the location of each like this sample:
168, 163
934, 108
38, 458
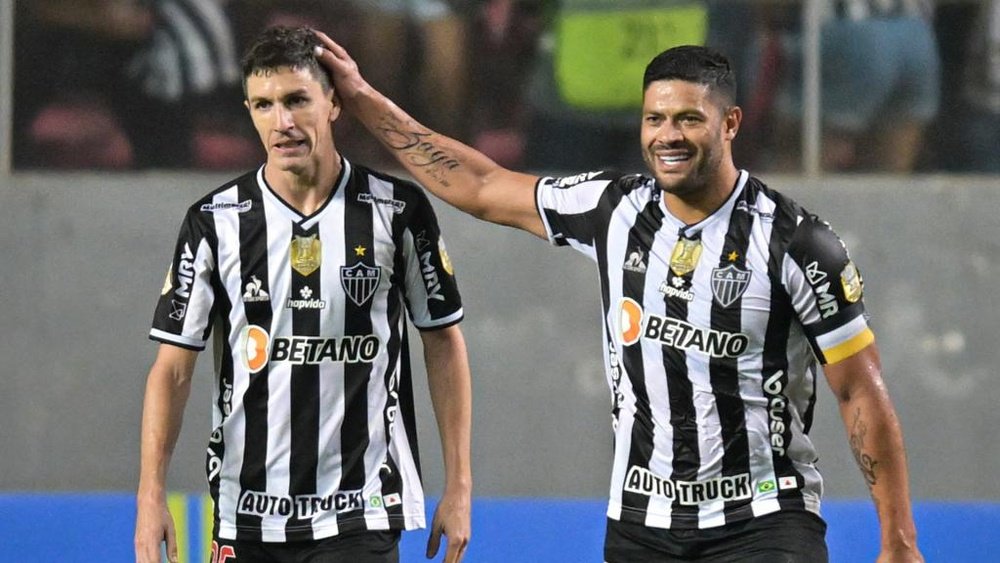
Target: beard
707, 163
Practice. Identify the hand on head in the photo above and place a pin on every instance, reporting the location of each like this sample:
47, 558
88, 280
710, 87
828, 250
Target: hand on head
347, 79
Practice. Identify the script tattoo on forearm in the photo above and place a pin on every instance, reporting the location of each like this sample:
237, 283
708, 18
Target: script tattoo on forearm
857, 439
418, 150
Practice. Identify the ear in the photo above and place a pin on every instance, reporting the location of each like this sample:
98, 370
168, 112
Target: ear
246, 104
335, 106
731, 122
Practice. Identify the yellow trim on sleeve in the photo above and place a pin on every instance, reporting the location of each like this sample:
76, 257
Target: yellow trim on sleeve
850, 347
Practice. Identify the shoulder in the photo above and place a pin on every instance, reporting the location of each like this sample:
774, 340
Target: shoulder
387, 193
595, 178
772, 203
226, 196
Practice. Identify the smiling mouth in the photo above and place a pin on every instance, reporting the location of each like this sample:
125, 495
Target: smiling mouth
674, 158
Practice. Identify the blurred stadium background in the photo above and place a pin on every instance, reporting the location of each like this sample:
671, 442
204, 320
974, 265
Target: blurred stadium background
86, 234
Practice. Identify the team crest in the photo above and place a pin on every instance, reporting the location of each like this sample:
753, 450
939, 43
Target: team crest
729, 283
360, 281
684, 258
307, 254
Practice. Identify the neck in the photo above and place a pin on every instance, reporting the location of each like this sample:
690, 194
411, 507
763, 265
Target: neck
695, 205
305, 189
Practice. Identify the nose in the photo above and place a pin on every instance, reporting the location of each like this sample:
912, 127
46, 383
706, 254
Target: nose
282, 118
669, 132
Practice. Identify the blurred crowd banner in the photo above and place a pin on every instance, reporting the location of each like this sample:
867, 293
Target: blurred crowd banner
79, 527
827, 86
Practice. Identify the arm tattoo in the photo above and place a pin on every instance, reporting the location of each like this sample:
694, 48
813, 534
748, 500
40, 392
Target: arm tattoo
417, 149
857, 440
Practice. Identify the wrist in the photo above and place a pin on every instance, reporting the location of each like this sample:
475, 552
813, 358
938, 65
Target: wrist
154, 493
458, 485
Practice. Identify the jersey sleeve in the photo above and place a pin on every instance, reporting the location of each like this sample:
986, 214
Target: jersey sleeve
826, 291
430, 287
571, 208
184, 309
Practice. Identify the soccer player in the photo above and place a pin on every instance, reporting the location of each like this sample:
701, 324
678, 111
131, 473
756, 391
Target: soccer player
303, 271
720, 296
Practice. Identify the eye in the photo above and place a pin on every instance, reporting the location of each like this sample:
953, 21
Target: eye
261, 104
654, 119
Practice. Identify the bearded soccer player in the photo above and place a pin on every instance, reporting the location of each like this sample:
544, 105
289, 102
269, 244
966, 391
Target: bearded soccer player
303, 272
720, 297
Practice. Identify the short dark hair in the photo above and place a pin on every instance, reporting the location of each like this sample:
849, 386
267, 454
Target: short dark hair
281, 46
693, 63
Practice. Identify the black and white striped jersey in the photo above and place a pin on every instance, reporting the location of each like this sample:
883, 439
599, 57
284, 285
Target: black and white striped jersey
313, 424
711, 336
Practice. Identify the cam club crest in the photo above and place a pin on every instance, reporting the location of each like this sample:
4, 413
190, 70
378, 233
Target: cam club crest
729, 283
360, 281
306, 254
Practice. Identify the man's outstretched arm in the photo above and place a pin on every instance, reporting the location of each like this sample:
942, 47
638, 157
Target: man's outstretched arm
451, 170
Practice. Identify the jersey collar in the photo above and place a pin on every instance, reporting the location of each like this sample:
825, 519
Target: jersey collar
691, 231
293, 214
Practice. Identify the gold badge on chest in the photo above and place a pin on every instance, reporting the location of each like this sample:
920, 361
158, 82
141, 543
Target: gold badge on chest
306, 254
685, 256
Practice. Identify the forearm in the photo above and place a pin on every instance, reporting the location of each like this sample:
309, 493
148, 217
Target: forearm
448, 168
162, 414
451, 170
450, 386
876, 441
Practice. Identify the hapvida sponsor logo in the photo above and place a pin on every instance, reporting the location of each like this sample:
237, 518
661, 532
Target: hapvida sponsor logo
307, 302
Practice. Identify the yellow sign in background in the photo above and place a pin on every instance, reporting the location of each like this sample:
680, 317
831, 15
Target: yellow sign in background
600, 56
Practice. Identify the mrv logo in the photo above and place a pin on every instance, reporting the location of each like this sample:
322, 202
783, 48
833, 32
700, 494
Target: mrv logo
185, 272
427, 269
645, 482
302, 507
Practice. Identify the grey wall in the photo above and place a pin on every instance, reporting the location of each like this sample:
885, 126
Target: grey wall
82, 260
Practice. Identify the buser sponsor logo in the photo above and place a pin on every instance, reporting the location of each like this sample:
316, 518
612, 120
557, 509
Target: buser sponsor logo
689, 493
776, 406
